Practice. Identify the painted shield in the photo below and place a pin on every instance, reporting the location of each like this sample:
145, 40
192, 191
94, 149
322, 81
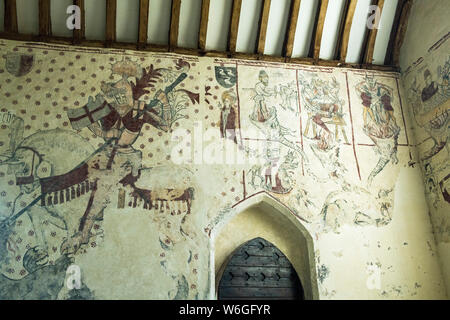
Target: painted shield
226, 76
19, 64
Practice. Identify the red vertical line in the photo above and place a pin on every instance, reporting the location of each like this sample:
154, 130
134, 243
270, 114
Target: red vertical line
300, 115
243, 183
351, 121
401, 108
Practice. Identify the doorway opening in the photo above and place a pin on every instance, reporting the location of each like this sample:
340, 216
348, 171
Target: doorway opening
286, 251
258, 270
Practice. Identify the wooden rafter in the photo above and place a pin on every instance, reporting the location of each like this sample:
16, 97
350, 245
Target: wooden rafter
395, 41
10, 21
314, 30
292, 27
143, 22
395, 27
203, 25
403, 24
79, 34
350, 12
341, 29
263, 21
367, 34
372, 36
45, 22
319, 29
111, 12
174, 24
234, 25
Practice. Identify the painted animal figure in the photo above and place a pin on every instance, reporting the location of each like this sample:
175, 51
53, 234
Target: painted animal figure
37, 160
356, 206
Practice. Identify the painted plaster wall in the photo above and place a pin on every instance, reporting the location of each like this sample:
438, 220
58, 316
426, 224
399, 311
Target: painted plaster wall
337, 154
425, 65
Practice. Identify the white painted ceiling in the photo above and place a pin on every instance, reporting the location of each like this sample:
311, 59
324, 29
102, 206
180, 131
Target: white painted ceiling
219, 20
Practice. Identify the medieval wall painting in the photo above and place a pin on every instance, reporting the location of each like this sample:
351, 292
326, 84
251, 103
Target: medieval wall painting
271, 116
426, 86
89, 175
379, 123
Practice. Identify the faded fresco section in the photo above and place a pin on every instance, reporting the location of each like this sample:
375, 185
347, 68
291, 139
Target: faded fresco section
117, 168
425, 78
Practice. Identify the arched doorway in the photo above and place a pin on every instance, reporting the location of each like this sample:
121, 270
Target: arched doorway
263, 216
259, 270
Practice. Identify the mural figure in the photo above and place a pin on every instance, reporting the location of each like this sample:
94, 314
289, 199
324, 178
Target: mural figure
261, 91
325, 109
430, 88
379, 121
265, 118
229, 120
431, 107
120, 128
278, 179
33, 160
63, 184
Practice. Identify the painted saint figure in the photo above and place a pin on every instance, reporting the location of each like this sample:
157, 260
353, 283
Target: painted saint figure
228, 116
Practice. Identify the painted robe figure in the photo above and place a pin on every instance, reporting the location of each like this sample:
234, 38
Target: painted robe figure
430, 87
379, 122
262, 91
375, 95
119, 128
228, 116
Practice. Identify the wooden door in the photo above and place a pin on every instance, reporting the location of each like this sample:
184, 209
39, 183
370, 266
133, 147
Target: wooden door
259, 271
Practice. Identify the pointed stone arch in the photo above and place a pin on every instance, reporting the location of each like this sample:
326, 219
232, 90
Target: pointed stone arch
282, 228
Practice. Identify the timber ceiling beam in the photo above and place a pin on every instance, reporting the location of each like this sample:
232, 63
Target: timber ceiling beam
341, 30
143, 22
263, 21
234, 25
390, 47
292, 27
174, 24
45, 22
372, 36
111, 14
367, 33
10, 21
79, 34
348, 16
395, 27
319, 28
403, 24
203, 25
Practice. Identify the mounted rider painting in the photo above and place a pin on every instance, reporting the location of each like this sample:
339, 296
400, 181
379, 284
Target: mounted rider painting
117, 115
